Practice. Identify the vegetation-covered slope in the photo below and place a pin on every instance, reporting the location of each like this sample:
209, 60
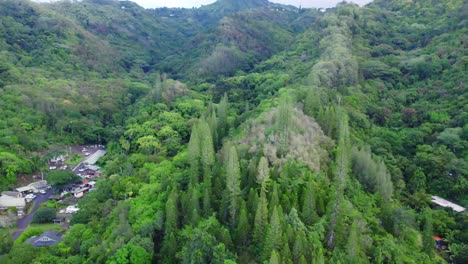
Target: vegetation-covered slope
292, 136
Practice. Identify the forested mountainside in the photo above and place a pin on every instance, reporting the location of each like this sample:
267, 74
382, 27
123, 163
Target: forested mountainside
243, 131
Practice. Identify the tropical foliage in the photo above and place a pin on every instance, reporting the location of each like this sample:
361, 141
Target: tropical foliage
244, 131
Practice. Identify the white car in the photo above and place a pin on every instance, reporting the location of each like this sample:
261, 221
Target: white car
30, 197
42, 191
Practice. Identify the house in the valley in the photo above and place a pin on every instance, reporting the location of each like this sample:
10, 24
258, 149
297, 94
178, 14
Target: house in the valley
33, 187
48, 238
7, 202
91, 160
13, 194
80, 191
92, 170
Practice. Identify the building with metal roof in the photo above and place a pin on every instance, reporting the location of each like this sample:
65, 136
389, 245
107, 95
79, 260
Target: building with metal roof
444, 203
48, 238
10, 202
91, 160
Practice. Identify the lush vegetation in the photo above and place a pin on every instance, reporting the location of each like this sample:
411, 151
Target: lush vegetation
44, 215
244, 132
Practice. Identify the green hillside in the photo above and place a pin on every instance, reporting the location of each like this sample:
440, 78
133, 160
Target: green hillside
244, 131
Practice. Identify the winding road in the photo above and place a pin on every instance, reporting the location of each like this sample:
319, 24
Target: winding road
24, 222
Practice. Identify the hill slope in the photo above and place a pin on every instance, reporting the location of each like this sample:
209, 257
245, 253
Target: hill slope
289, 136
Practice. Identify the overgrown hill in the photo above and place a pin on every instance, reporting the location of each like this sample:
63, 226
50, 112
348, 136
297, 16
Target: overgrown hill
244, 131
179, 41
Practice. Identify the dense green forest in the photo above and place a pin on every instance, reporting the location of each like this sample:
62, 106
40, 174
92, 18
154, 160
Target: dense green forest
244, 131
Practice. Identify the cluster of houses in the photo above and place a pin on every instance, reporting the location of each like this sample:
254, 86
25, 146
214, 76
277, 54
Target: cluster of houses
21, 196
76, 190
87, 170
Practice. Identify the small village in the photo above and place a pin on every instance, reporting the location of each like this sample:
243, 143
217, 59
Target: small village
19, 205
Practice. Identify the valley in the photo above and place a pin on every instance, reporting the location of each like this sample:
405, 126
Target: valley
238, 132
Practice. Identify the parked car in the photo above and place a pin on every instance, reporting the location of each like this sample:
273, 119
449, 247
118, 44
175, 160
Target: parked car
30, 197
42, 191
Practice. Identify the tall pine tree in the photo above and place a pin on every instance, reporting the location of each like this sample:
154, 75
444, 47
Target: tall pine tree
233, 183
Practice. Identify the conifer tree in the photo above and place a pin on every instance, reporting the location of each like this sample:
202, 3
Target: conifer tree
213, 123
195, 217
261, 218
243, 228
223, 109
302, 260
284, 125
275, 258
206, 202
251, 176
207, 161
169, 248
319, 257
309, 214
206, 147
289, 235
273, 238
286, 253
252, 203
233, 183
342, 167
194, 205
328, 119
300, 246
156, 93
274, 199
263, 173
194, 153
353, 247
428, 241
171, 213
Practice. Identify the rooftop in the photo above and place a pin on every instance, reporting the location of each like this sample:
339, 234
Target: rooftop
39, 184
25, 188
95, 157
81, 189
33, 186
48, 238
444, 203
9, 201
12, 194
92, 167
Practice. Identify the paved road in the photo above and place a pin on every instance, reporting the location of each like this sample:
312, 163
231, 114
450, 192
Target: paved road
24, 222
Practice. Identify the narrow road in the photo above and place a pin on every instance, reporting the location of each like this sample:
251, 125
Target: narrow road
24, 222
